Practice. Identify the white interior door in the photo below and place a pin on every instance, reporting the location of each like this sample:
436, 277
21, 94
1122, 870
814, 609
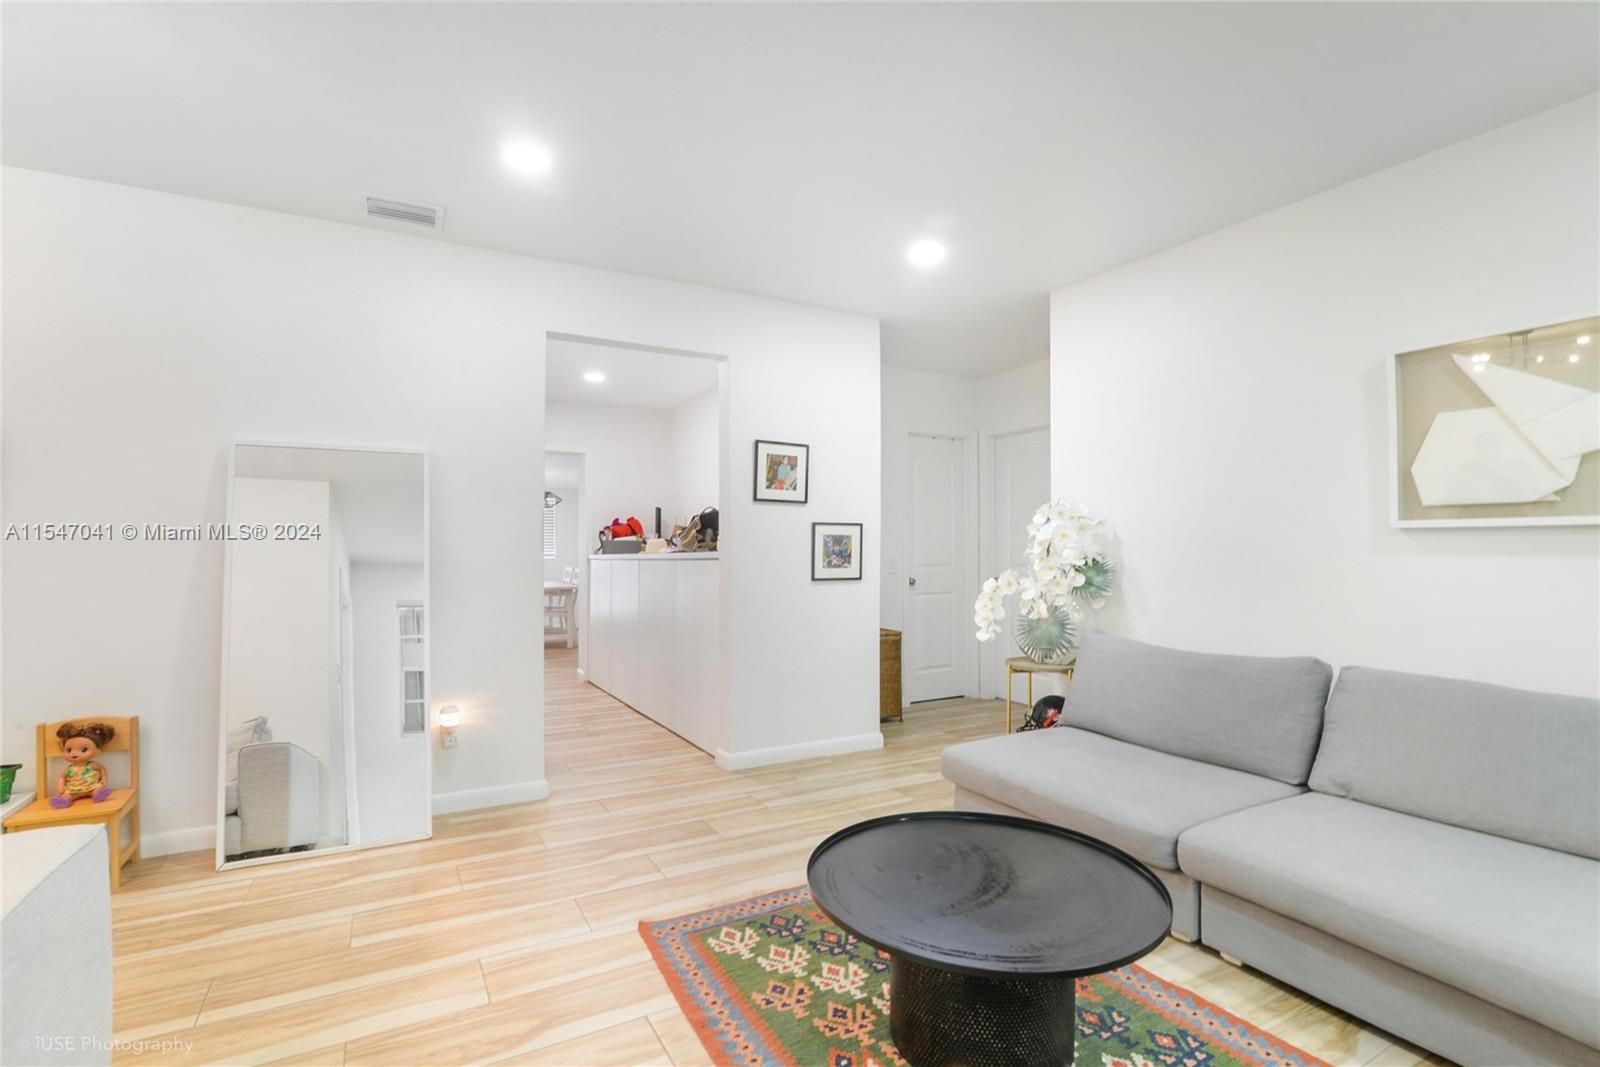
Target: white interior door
938, 649
1021, 480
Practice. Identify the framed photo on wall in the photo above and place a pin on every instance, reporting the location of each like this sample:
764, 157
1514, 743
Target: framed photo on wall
783, 471
1498, 431
836, 551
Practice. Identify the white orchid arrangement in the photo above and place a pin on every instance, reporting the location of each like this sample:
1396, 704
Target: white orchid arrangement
1068, 566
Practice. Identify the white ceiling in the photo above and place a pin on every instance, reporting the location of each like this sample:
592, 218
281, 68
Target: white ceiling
789, 150
634, 377
378, 496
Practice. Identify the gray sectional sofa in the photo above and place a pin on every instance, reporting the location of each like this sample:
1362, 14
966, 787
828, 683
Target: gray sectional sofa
1421, 852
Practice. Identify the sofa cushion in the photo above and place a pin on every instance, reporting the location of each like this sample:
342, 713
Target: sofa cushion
1511, 762
1251, 713
1512, 923
250, 732
1136, 798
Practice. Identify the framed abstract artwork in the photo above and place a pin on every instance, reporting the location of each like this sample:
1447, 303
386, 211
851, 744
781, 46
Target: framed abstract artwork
836, 551
1498, 431
783, 471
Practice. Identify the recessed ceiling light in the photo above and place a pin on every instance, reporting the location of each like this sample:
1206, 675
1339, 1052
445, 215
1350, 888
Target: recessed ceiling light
1584, 339
926, 253
1538, 359
594, 377
530, 159
1573, 358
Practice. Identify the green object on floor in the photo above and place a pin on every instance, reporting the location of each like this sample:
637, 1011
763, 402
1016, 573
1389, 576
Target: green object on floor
771, 980
8, 778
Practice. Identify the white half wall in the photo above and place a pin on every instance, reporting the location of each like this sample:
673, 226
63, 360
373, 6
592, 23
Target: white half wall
1224, 405
144, 331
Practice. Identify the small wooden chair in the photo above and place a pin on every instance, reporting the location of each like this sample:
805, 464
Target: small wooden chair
123, 803
560, 611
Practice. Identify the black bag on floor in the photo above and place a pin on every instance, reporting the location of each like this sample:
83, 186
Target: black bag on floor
1045, 714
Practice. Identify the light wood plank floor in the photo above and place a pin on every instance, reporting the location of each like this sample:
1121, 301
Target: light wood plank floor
510, 937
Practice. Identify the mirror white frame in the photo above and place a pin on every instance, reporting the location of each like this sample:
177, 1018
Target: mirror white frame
353, 841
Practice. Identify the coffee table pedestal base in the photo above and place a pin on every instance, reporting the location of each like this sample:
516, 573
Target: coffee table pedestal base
941, 1018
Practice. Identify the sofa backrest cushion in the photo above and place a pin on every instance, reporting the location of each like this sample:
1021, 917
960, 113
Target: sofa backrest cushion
1251, 713
1509, 762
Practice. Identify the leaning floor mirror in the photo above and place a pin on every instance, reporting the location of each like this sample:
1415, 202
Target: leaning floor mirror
324, 731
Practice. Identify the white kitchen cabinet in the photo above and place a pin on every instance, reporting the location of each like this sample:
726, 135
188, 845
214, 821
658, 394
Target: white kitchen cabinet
655, 639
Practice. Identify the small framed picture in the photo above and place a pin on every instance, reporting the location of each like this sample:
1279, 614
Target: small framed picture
783, 471
836, 552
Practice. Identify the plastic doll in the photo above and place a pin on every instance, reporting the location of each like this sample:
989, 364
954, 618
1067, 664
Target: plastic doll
81, 744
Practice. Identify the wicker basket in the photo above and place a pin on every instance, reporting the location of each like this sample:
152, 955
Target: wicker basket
889, 692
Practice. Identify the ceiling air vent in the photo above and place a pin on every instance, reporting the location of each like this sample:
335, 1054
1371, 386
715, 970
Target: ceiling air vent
427, 216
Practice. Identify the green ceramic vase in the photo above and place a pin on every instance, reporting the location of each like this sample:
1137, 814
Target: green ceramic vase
1047, 640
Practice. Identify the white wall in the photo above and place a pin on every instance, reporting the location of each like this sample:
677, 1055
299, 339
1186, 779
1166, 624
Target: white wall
282, 640
391, 766
1015, 399
626, 460
693, 447
1224, 405
637, 459
279, 663
144, 331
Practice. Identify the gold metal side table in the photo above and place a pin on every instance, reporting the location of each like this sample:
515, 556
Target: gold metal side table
1023, 665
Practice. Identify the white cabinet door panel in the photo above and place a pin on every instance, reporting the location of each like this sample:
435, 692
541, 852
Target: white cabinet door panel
938, 645
697, 655
653, 648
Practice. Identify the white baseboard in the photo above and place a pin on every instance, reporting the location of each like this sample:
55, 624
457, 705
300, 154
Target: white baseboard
832, 746
194, 839
492, 797
197, 838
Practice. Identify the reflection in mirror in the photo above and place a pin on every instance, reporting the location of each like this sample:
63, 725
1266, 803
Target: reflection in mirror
325, 706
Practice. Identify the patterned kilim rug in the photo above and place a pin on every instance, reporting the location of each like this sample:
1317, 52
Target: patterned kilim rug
771, 980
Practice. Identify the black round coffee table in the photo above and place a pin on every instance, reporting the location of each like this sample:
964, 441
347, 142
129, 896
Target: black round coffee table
988, 921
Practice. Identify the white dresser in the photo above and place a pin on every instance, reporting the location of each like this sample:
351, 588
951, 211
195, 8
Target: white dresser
654, 639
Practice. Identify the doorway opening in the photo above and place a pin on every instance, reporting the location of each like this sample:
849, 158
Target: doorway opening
634, 473
564, 545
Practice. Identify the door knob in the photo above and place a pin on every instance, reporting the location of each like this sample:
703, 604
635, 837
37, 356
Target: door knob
911, 581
